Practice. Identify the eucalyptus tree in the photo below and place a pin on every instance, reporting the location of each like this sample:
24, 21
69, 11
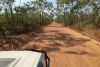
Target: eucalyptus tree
7, 6
7, 18
78, 7
62, 6
41, 7
96, 12
72, 9
50, 11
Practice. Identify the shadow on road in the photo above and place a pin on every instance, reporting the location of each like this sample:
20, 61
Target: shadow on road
50, 40
53, 41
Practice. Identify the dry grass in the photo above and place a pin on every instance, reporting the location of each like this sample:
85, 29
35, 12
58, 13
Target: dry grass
90, 32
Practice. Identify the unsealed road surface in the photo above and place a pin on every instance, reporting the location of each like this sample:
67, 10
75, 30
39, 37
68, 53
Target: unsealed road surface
66, 47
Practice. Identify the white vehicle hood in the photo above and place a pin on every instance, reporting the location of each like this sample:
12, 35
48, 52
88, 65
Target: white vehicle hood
19, 58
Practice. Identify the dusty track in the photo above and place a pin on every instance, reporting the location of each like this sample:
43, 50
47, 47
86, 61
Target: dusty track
66, 47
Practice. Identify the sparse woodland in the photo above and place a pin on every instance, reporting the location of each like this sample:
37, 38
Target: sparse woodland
30, 16
34, 15
80, 13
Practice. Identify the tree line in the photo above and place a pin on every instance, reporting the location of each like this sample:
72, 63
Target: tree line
32, 15
79, 13
15, 20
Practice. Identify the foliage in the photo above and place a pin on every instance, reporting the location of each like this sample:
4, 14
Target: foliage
79, 13
30, 16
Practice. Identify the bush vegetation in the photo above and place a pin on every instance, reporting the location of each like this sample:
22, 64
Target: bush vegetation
20, 19
34, 15
79, 13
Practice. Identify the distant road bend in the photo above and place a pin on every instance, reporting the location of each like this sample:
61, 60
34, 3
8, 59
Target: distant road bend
66, 47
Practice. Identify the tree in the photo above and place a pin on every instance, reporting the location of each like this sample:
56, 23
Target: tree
96, 13
42, 6
62, 7
7, 5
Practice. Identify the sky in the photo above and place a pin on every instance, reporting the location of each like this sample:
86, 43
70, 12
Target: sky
17, 2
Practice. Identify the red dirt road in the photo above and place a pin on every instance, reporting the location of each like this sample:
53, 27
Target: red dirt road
66, 47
